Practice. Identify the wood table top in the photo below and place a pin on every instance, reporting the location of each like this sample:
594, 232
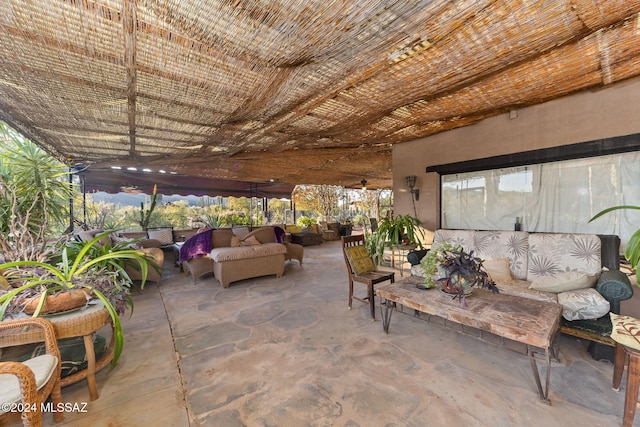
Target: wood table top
520, 319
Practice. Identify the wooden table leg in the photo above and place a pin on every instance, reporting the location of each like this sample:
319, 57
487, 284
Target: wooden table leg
618, 366
633, 382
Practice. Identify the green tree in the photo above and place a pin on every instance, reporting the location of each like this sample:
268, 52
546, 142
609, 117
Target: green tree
34, 196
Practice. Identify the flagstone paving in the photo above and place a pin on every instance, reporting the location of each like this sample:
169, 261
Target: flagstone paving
287, 352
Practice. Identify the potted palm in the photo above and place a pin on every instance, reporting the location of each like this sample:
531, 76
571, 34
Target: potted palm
86, 270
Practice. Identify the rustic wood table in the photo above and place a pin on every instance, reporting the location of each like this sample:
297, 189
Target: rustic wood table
531, 322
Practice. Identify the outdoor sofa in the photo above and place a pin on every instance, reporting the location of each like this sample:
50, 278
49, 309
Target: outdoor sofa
579, 271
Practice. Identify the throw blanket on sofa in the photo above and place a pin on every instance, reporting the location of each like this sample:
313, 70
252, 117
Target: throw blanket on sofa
196, 246
280, 234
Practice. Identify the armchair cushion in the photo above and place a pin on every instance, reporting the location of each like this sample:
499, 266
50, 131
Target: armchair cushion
359, 260
163, 234
42, 367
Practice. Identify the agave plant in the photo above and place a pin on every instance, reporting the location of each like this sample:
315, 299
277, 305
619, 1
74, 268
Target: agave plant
632, 250
100, 274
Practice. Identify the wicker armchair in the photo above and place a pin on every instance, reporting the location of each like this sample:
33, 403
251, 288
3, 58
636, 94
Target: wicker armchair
29, 383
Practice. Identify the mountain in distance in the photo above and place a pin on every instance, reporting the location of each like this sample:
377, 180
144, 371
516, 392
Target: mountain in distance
126, 199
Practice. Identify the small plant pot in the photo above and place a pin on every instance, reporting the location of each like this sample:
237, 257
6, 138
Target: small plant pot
57, 303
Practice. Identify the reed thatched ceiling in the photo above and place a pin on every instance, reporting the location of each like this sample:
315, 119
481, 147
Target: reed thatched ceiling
312, 92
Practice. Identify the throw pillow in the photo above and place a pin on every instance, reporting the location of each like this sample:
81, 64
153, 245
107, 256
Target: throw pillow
583, 304
235, 241
87, 236
240, 231
498, 269
360, 260
562, 282
625, 330
251, 241
125, 241
163, 235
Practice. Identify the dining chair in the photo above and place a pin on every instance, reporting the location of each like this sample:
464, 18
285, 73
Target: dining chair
362, 269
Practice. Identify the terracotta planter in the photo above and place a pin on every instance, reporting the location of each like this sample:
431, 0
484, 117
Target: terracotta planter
60, 302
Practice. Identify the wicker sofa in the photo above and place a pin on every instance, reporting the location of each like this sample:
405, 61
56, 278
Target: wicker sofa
545, 266
233, 258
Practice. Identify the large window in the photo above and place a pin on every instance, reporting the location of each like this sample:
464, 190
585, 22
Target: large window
552, 197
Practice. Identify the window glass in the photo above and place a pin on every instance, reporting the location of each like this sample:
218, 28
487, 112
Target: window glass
549, 197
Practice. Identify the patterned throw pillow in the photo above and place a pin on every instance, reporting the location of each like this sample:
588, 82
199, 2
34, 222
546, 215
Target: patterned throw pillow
625, 330
360, 260
583, 304
163, 235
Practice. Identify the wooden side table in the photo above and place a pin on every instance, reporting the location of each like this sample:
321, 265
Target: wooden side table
624, 332
622, 355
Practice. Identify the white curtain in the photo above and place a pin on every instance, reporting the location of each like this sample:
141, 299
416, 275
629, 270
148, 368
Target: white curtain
551, 197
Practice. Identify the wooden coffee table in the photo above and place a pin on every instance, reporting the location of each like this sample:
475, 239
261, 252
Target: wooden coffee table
531, 322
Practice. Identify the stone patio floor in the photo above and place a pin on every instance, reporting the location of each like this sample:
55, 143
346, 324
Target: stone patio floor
286, 352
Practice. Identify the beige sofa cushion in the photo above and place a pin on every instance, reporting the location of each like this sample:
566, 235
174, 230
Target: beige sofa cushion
564, 281
247, 252
553, 253
512, 245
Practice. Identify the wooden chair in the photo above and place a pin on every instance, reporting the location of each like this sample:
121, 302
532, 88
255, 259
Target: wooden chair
362, 269
29, 383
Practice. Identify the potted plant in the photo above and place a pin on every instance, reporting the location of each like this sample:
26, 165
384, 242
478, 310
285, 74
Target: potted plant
632, 250
394, 231
87, 269
305, 222
455, 270
430, 262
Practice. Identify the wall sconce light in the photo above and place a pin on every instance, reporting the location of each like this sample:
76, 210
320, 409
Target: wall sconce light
411, 182
364, 184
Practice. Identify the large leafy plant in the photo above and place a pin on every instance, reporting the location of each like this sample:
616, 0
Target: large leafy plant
100, 272
632, 250
393, 231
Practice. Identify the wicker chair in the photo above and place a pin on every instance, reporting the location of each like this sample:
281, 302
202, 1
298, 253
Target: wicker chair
29, 383
361, 269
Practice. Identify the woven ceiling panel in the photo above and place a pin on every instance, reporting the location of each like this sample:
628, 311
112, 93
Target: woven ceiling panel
303, 92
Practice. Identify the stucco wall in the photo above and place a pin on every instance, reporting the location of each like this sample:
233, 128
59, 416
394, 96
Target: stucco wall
586, 116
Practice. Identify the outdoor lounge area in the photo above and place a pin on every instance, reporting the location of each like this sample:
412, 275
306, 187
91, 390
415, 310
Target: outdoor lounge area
287, 352
496, 117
